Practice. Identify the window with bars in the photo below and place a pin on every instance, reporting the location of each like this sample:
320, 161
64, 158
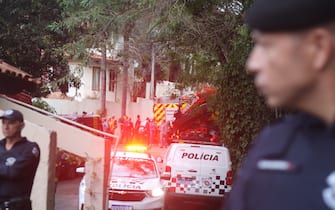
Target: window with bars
96, 78
112, 80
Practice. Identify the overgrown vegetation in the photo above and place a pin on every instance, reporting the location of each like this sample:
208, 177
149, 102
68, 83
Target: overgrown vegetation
208, 42
243, 113
195, 42
27, 42
40, 103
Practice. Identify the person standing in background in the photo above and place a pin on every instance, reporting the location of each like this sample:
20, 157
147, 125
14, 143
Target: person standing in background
152, 131
136, 133
112, 123
163, 131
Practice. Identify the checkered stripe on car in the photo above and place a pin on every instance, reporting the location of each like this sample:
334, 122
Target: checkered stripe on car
204, 186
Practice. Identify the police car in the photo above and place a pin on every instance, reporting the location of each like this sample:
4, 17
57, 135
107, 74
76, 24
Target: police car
196, 176
134, 184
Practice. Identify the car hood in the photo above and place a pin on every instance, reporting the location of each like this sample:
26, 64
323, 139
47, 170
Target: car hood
126, 183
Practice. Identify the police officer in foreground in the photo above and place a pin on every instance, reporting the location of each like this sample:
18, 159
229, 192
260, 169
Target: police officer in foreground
291, 165
19, 159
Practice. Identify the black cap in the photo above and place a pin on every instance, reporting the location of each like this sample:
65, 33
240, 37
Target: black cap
13, 115
289, 15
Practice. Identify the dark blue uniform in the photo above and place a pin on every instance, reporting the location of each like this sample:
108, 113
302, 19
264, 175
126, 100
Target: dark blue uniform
291, 166
17, 171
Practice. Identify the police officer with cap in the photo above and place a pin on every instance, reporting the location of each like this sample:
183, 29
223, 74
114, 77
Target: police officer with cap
19, 159
291, 165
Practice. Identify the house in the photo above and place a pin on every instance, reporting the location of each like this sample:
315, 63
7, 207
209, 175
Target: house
88, 97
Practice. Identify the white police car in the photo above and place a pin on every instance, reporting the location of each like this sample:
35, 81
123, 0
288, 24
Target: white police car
134, 184
196, 176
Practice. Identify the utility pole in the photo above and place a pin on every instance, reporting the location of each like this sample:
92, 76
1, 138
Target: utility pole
125, 75
126, 34
103, 66
152, 82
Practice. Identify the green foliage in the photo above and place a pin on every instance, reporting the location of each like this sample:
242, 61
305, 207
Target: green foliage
197, 42
210, 41
91, 22
66, 164
40, 103
27, 42
243, 113
94, 22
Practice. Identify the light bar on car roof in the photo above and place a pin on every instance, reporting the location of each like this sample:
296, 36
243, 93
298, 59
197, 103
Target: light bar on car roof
136, 148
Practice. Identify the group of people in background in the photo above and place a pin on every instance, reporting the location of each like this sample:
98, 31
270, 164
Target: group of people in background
141, 131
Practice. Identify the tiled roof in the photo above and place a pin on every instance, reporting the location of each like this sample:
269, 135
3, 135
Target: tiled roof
14, 80
10, 70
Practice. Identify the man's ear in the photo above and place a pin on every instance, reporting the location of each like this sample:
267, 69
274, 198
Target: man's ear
22, 125
322, 43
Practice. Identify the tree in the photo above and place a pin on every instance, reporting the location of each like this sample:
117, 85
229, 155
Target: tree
98, 21
27, 42
199, 42
207, 42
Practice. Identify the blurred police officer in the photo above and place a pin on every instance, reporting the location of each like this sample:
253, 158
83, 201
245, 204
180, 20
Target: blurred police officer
19, 159
291, 166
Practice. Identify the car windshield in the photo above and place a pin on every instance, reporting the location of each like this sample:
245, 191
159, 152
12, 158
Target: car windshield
134, 167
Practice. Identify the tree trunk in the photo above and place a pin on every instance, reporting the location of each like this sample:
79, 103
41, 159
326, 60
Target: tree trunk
125, 74
152, 82
103, 80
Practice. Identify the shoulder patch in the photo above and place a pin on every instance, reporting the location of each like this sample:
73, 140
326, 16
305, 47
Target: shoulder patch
35, 151
329, 192
10, 161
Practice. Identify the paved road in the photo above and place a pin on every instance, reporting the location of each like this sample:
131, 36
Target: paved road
67, 194
66, 197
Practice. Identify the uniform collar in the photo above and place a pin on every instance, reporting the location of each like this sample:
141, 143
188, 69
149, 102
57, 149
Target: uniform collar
3, 141
277, 138
309, 121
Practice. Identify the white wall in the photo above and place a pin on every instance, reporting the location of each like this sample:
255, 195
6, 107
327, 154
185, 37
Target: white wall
143, 107
89, 100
